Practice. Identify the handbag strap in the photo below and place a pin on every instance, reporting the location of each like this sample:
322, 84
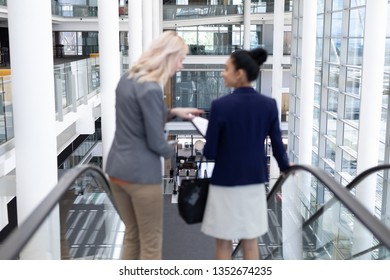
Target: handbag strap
200, 168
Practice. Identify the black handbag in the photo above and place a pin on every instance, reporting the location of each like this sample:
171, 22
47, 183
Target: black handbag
192, 198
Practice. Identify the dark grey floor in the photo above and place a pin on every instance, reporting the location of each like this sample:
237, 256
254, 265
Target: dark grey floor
182, 241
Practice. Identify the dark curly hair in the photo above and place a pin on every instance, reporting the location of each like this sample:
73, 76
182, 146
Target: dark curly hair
250, 61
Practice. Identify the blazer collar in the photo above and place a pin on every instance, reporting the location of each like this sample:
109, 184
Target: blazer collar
245, 90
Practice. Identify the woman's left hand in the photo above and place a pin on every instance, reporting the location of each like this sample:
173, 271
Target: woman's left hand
186, 113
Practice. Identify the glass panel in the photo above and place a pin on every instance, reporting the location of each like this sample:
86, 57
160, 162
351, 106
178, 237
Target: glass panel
318, 72
90, 227
352, 108
384, 117
317, 94
334, 75
348, 164
355, 52
382, 150
320, 6
335, 235
356, 3
350, 138
330, 150
337, 20
315, 139
319, 49
356, 22
332, 101
314, 158
334, 53
376, 191
342, 236
337, 5
316, 117
354, 76
387, 51
320, 26
197, 88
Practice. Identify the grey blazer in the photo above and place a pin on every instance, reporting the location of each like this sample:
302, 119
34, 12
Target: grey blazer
139, 141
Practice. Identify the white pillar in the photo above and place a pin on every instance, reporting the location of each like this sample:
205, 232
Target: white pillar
372, 84
277, 71
247, 24
307, 53
370, 108
135, 30
157, 18
147, 23
109, 58
34, 116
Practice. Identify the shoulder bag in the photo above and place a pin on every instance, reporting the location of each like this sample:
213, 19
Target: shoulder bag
192, 197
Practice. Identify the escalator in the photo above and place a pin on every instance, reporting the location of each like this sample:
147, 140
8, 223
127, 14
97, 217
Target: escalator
310, 217
313, 217
89, 222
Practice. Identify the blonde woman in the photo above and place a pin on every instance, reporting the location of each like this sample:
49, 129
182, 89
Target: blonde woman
133, 163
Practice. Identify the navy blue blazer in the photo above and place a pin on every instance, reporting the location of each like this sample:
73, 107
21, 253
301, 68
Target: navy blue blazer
238, 126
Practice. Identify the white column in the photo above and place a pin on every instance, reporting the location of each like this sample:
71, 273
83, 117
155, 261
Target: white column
34, 116
135, 30
277, 71
147, 23
372, 84
157, 18
247, 24
307, 53
307, 83
109, 69
370, 108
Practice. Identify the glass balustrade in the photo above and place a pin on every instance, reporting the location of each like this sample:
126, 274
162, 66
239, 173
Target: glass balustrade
74, 83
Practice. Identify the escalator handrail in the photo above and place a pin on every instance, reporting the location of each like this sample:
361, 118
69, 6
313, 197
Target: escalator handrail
359, 178
15, 242
380, 231
349, 187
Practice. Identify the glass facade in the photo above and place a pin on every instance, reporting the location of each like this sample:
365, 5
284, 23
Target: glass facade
337, 97
337, 83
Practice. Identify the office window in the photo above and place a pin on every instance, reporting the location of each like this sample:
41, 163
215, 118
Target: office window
331, 125
350, 137
352, 108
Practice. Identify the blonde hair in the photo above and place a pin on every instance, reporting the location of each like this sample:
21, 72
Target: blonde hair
157, 63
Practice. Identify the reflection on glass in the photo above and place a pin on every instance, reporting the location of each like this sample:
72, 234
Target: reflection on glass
355, 51
330, 150
332, 100
331, 126
334, 75
334, 54
337, 5
316, 117
334, 235
90, 226
356, 22
315, 139
376, 186
384, 117
353, 84
337, 19
317, 94
357, 3
197, 88
352, 108
348, 164
350, 138
320, 26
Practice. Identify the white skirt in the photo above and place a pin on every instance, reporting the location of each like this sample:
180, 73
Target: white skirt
238, 212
